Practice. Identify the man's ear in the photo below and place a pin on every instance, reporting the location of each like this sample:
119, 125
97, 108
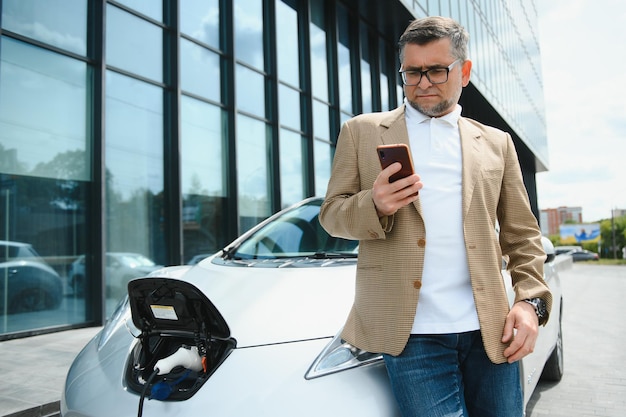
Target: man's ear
466, 70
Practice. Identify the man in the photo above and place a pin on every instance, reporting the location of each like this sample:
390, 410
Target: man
429, 292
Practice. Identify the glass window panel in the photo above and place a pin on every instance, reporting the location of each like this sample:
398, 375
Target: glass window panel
200, 70
253, 176
323, 162
203, 171
287, 44
321, 124
366, 72
292, 186
200, 19
250, 91
319, 61
152, 8
134, 173
433, 7
43, 113
344, 61
289, 106
134, 44
385, 102
42, 230
249, 32
445, 8
62, 23
44, 186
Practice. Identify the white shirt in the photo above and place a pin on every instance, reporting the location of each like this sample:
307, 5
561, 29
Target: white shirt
446, 302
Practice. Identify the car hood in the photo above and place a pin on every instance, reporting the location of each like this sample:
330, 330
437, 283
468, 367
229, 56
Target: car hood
267, 305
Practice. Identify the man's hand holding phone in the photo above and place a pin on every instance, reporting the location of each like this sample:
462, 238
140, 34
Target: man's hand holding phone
397, 185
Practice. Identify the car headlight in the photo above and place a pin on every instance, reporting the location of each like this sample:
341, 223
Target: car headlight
338, 356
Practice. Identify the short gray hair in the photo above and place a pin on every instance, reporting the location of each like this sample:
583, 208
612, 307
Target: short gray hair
432, 28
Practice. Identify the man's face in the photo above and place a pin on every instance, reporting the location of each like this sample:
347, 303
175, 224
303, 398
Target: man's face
434, 100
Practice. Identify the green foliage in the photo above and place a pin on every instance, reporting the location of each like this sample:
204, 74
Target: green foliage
606, 233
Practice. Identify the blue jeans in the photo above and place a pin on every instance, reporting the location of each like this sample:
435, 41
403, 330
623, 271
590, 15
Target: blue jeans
450, 375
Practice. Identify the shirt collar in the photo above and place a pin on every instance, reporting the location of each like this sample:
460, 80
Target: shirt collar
415, 116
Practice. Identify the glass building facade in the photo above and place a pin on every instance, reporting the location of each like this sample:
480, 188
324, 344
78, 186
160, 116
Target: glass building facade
142, 133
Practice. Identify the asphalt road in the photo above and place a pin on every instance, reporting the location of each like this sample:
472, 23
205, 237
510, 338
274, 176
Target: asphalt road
594, 343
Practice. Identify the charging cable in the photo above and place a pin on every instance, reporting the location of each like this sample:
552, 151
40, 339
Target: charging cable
185, 356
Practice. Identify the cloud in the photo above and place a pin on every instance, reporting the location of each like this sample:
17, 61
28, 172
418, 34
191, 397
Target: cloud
584, 89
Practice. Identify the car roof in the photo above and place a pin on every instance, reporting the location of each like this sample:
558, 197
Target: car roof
13, 243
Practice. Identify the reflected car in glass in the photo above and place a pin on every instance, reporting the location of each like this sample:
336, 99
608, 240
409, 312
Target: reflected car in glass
27, 282
255, 330
120, 268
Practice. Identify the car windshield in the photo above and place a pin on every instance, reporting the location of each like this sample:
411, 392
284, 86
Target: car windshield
296, 233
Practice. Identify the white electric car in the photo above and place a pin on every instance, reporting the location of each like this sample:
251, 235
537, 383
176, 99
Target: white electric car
253, 331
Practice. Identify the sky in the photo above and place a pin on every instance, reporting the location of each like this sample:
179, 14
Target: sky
583, 57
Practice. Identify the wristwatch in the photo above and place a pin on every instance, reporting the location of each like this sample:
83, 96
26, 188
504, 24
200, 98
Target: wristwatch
540, 309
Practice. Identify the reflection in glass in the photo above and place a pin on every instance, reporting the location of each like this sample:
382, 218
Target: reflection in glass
289, 106
344, 61
319, 62
252, 172
35, 258
62, 23
200, 20
287, 52
250, 91
134, 44
152, 8
203, 178
249, 32
385, 104
42, 113
292, 187
366, 72
199, 70
321, 124
323, 161
44, 179
134, 167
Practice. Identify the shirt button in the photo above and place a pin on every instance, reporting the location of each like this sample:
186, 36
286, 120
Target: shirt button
417, 284
421, 243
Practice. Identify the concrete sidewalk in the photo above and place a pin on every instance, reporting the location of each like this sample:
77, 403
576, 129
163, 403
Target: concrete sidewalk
33, 371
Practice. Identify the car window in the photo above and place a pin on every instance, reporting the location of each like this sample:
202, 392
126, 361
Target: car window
296, 233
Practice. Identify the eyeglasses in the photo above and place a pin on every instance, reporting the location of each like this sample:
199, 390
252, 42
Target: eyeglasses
434, 75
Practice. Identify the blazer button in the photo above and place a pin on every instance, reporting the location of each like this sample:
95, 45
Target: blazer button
421, 243
417, 284
373, 234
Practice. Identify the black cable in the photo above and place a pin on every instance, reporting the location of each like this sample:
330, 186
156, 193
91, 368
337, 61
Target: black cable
145, 390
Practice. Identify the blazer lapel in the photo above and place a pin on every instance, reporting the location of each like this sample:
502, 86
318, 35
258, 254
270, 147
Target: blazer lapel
396, 127
397, 133
470, 147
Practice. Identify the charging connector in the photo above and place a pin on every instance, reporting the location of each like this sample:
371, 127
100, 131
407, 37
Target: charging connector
185, 356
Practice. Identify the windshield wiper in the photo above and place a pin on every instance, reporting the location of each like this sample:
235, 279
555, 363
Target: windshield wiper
332, 255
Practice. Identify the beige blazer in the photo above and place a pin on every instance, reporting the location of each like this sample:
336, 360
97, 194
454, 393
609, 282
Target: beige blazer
391, 250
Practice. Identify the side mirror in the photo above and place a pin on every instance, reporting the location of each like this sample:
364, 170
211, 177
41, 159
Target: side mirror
548, 247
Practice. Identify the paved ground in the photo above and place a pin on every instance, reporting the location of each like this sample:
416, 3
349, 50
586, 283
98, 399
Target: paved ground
33, 371
594, 337
594, 385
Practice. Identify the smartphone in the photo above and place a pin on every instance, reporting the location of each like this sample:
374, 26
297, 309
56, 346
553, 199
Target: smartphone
399, 152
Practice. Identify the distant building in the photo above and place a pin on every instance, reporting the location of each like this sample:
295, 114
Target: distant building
618, 212
550, 219
170, 127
